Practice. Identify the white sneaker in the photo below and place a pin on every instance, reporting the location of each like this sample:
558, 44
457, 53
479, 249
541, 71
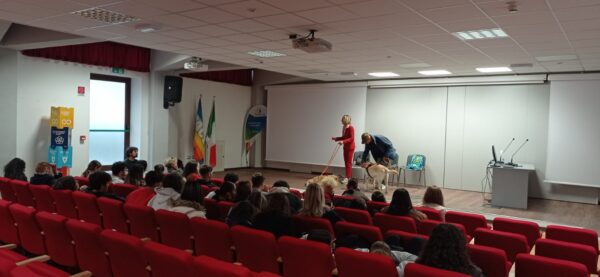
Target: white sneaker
344, 181
382, 187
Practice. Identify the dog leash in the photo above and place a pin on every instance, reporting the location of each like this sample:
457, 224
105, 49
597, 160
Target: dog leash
337, 147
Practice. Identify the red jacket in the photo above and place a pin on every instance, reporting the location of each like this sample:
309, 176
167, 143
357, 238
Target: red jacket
347, 138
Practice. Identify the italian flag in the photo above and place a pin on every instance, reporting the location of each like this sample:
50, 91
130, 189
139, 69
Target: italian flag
210, 138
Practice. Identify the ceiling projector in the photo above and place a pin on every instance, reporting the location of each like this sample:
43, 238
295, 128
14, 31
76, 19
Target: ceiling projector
310, 44
195, 65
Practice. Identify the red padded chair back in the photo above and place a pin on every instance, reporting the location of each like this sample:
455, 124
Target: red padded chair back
217, 181
224, 208
87, 207
113, 216
63, 201
405, 236
530, 230
88, 247
425, 227
142, 221
528, 265
354, 215
431, 213
30, 233
38, 269
387, 222
569, 251
512, 244
297, 253
469, 220
175, 230
352, 263
376, 205
212, 238
208, 266
247, 241
6, 190
57, 238
8, 229
43, 199
419, 270
122, 189
367, 232
304, 224
82, 181
125, 253
492, 261
212, 209
167, 261
24, 195
297, 193
572, 234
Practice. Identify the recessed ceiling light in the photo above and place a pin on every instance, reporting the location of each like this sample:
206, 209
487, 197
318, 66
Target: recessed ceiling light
481, 34
556, 58
435, 72
266, 54
146, 28
493, 69
383, 74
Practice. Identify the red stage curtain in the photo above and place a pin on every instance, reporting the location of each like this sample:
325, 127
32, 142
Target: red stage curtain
106, 53
239, 76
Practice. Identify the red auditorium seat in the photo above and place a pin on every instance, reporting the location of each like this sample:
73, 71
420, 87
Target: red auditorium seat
9, 255
419, 270
224, 208
492, 261
469, 220
425, 227
297, 253
388, 222
57, 238
376, 205
354, 215
113, 216
217, 181
512, 244
405, 236
297, 193
82, 181
30, 233
352, 263
208, 266
572, 234
212, 238
206, 190
43, 199
340, 200
255, 249
431, 213
367, 232
569, 251
87, 207
63, 201
6, 190
122, 189
212, 209
142, 222
22, 192
167, 261
125, 253
8, 230
37, 269
530, 230
528, 265
303, 224
175, 230
88, 247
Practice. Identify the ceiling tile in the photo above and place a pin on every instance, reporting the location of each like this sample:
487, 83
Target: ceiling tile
284, 20
454, 13
578, 13
247, 26
279, 34
212, 15
421, 5
251, 9
329, 14
376, 7
562, 4
244, 38
183, 34
185, 44
295, 5
215, 2
467, 25
530, 18
499, 8
176, 20
28, 9
135, 9
174, 5
213, 30
215, 42
55, 5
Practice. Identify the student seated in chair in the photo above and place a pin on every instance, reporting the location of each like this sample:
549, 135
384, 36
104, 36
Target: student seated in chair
99, 185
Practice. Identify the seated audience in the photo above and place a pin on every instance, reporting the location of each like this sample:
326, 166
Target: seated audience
258, 199
282, 186
67, 183
142, 196
99, 181
225, 193
242, 191
314, 204
171, 166
159, 168
205, 176
258, 182
135, 175
378, 196
190, 171
168, 193
92, 167
231, 177
119, 172
402, 205
241, 213
353, 191
189, 203
401, 258
44, 175
15, 169
276, 217
433, 198
446, 249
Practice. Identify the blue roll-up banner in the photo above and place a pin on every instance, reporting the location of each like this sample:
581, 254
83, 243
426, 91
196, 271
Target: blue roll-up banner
59, 137
64, 157
52, 157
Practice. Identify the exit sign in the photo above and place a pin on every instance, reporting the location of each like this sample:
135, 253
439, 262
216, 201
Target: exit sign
118, 70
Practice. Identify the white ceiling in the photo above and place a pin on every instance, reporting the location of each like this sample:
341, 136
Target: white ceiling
401, 36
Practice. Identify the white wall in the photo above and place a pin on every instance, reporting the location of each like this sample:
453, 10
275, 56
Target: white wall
8, 109
232, 103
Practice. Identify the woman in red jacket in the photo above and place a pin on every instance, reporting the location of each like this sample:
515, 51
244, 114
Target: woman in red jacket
347, 139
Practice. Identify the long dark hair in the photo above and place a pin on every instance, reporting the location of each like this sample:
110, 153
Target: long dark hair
226, 192
433, 195
92, 166
136, 175
401, 203
446, 249
191, 191
190, 167
242, 191
15, 169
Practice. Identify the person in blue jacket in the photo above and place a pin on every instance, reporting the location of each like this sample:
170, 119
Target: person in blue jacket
381, 149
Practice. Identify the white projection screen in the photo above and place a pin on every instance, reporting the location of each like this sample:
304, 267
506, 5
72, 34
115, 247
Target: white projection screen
574, 133
301, 119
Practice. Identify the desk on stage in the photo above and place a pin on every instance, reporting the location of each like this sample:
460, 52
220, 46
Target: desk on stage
510, 185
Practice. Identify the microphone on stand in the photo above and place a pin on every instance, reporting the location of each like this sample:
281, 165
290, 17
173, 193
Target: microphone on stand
501, 161
513, 155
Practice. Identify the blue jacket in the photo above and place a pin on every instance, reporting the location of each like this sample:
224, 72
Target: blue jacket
379, 147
